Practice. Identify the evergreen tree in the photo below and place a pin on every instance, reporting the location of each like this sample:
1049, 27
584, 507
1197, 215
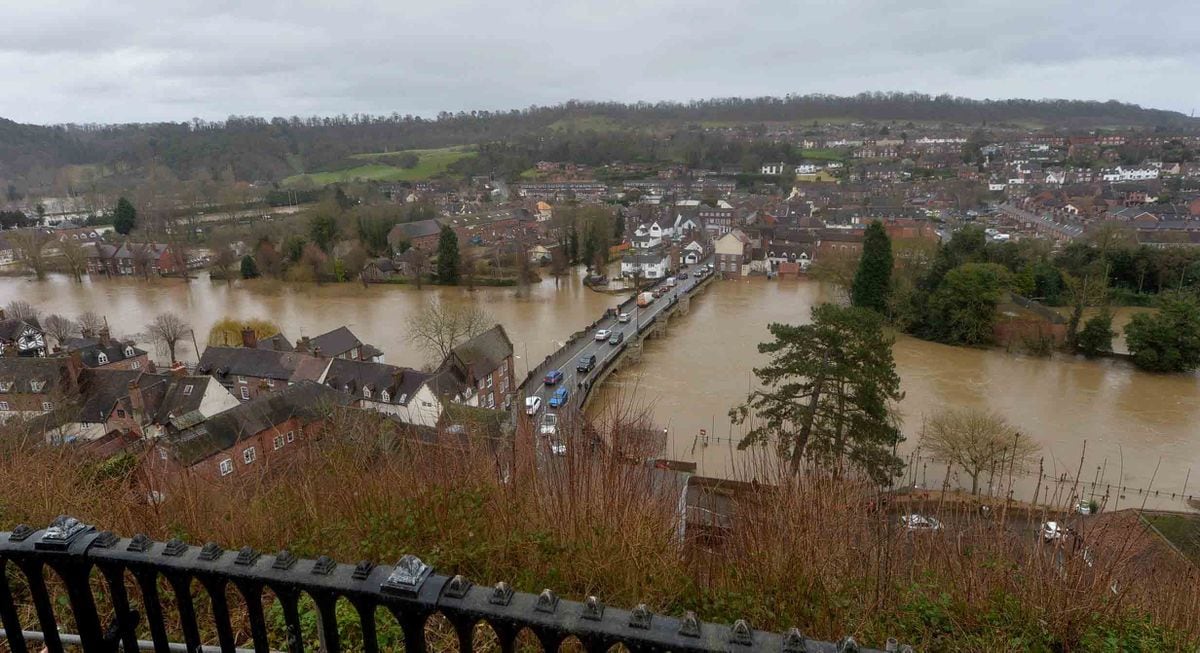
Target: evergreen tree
873, 282
124, 217
249, 267
1097, 335
323, 230
1168, 341
447, 257
827, 394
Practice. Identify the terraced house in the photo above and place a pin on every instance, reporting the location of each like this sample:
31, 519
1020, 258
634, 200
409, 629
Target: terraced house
484, 365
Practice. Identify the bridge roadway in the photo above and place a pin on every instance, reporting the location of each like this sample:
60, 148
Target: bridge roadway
565, 359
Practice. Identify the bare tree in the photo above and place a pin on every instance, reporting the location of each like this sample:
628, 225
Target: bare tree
59, 327
29, 246
977, 441
90, 323
168, 329
224, 260
20, 309
418, 262
439, 327
74, 257
143, 259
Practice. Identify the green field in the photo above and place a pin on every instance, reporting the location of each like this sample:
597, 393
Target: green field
430, 164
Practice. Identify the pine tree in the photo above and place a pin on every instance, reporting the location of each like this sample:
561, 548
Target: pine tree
249, 267
124, 217
827, 393
873, 282
447, 257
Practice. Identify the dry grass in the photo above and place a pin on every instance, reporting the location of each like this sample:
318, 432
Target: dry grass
817, 553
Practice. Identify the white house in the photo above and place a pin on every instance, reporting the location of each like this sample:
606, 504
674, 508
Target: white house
693, 252
648, 264
773, 168
402, 392
1130, 174
807, 169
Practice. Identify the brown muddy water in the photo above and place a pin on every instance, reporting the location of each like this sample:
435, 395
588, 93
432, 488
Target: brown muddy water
1138, 427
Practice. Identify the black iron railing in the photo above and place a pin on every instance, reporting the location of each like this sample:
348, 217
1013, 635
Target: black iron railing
411, 591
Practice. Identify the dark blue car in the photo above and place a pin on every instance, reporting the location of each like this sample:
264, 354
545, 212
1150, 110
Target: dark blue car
553, 377
559, 398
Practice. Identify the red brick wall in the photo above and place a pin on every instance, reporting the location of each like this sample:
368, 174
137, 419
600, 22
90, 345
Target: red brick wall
264, 448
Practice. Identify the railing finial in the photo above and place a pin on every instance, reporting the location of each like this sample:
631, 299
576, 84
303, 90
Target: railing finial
408, 576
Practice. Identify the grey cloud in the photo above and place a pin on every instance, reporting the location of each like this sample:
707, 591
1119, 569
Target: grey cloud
81, 61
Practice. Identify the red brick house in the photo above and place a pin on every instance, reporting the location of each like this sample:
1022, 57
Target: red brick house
484, 365
250, 438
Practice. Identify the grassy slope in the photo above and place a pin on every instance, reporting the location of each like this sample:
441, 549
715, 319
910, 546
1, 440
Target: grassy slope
432, 163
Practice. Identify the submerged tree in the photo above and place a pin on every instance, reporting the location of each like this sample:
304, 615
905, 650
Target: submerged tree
977, 442
168, 329
1168, 341
439, 327
827, 394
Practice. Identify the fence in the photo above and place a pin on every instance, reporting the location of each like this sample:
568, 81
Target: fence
411, 591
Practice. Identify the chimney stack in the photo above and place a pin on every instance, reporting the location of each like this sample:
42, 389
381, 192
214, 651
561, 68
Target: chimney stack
104, 336
249, 338
1, 313
136, 402
178, 369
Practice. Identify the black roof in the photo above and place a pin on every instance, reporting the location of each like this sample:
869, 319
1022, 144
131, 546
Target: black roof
306, 400
277, 342
21, 372
410, 230
334, 343
100, 391
352, 376
486, 351
223, 362
114, 350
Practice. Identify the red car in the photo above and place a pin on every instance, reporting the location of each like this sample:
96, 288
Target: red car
553, 377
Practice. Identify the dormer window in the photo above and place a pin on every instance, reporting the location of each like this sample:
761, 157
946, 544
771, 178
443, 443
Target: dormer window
102, 358
187, 390
6, 386
385, 396
36, 386
367, 393
128, 352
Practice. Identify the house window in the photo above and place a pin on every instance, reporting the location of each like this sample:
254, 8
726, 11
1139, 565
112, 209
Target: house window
245, 392
241, 379
6, 386
226, 467
36, 386
3, 405
162, 453
489, 380
129, 352
46, 405
366, 393
291, 436
135, 365
427, 404
385, 396
270, 383
278, 442
121, 412
102, 358
249, 455
187, 389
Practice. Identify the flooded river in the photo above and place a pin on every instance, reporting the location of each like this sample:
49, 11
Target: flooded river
1132, 422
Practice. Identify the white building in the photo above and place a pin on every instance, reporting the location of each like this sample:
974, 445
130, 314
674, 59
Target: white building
649, 264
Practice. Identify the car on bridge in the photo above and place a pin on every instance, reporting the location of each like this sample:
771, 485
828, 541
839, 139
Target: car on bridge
553, 377
559, 398
603, 334
623, 318
586, 363
533, 405
616, 338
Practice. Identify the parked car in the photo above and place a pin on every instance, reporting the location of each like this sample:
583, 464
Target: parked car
915, 522
616, 338
603, 334
549, 424
586, 363
559, 398
682, 276
623, 318
553, 377
1052, 531
533, 405
558, 447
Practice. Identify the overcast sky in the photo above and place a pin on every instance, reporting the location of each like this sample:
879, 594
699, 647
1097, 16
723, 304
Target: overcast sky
141, 60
